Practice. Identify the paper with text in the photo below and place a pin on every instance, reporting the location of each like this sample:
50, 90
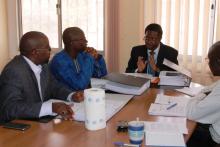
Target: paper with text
164, 139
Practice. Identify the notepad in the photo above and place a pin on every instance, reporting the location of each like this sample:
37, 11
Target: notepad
166, 134
164, 139
167, 100
159, 109
166, 127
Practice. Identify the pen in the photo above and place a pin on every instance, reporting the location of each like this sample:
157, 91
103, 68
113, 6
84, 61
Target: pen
171, 106
121, 144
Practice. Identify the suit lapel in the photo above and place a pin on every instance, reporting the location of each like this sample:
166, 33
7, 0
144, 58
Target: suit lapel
33, 80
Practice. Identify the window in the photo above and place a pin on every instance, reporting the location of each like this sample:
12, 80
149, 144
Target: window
53, 16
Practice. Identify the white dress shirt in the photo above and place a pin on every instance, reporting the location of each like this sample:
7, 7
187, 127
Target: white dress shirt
206, 109
46, 108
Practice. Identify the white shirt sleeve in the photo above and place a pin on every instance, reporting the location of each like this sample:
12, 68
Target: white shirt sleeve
46, 109
205, 109
69, 98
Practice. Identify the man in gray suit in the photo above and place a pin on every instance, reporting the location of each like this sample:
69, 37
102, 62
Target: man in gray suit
28, 87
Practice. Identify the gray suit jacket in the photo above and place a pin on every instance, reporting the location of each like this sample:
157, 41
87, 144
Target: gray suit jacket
19, 94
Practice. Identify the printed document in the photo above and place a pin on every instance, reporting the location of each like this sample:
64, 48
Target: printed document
159, 109
164, 139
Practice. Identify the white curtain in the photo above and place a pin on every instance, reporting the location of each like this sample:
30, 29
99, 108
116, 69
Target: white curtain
89, 16
186, 27
41, 15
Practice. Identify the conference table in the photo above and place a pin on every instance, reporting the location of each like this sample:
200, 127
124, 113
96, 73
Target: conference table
62, 133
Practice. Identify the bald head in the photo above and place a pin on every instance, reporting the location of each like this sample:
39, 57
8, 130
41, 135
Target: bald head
214, 58
72, 33
32, 40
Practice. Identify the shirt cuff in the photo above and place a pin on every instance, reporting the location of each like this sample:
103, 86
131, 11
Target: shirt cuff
69, 98
46, 109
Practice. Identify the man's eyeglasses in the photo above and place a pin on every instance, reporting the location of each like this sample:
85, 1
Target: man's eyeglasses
146, 38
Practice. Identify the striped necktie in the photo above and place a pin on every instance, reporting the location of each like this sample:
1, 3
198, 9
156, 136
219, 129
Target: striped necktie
149, 69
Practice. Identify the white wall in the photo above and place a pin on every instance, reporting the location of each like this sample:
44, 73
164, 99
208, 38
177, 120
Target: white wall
4, 54
130, 28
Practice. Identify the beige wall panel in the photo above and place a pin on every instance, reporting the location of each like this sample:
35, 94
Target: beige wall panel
3, 34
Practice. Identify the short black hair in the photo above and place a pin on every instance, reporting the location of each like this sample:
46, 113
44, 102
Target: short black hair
70, 33
154, 27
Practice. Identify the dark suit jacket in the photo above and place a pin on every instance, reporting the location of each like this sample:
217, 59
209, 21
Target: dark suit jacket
19, 94
164, 52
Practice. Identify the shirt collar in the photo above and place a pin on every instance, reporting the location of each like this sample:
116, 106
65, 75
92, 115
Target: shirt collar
35, 68
156, 50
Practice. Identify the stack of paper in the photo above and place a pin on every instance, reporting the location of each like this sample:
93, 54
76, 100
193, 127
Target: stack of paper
98, 83
169, 106
165, 134
181, 77
114, 102
173, 78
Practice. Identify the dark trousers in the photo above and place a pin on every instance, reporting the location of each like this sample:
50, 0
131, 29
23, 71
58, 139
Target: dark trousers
201, 137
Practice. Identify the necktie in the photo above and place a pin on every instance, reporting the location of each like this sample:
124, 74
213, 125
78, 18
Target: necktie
149, 69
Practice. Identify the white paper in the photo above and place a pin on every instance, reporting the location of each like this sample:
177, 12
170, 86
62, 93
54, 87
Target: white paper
114, 102
164, 139
191, 91
158, 109
173, 80
177, 67
168, 100
94, 108
98, 83
166, 127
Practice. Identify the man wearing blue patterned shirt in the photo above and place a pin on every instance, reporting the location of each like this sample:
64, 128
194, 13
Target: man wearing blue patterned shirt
76, 64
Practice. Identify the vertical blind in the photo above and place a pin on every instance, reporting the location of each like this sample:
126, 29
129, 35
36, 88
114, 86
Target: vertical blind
186, 27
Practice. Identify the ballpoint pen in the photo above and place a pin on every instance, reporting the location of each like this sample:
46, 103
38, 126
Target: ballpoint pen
122, 144
171, 106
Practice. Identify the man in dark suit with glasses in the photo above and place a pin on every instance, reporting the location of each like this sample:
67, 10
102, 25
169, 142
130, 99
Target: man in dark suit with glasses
149, 58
